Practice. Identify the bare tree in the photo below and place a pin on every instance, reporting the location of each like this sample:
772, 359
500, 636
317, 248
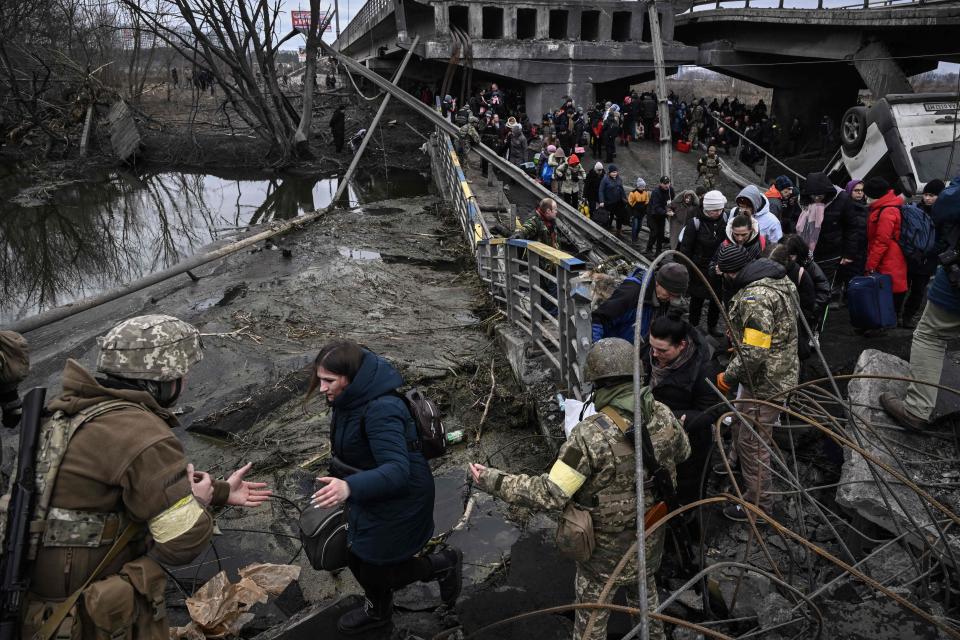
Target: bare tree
237, 42
314, 34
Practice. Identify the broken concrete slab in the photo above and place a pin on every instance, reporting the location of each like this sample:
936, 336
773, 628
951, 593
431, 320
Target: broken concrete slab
894, 506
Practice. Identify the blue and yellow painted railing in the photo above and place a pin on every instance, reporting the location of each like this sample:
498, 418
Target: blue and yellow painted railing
525, 278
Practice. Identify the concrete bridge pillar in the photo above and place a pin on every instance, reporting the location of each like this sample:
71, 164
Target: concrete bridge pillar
573, 23
809, 102
881, 74
542, 98
636, 25
667, 20
510, 23
476, 21
441, 18
605, 31
543, 23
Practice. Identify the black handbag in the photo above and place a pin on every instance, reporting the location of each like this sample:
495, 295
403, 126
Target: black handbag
324, 536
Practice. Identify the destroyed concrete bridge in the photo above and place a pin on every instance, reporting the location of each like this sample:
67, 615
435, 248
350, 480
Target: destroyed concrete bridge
596, 50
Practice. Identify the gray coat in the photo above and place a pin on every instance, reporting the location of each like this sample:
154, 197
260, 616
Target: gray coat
516, 148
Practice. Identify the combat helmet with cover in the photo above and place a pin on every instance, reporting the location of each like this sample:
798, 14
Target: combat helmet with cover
154, 347
609, 358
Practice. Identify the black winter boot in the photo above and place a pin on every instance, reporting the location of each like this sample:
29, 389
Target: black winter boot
448, 572
369, 616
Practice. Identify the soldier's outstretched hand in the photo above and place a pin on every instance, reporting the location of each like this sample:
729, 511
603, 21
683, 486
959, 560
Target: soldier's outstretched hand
476, 470
246, 494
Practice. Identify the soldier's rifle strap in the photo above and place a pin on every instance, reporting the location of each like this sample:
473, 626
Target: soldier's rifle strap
60, 612
649, 455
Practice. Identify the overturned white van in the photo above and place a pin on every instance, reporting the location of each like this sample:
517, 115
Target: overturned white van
909, 139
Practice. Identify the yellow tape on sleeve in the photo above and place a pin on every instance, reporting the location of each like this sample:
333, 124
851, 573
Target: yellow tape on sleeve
176, 520
566, 477
756, 338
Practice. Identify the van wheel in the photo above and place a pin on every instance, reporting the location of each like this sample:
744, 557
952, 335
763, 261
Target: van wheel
853, 129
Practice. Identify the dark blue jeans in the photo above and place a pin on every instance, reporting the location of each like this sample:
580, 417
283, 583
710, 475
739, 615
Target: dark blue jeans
635, 225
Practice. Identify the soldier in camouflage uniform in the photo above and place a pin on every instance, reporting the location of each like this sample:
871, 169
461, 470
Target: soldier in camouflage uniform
696, 123
763, 314
468, 137
542, 226
708, 168
118, 465
596, 470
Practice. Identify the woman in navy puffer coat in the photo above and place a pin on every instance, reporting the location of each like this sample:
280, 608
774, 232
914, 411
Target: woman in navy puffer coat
390, 498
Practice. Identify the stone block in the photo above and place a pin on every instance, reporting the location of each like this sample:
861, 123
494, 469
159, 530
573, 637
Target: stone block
879, 497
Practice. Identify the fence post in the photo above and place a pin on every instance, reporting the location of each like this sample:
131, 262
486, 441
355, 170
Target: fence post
583, 334
763, 171
492, 250
509, 291
536, 317
563, 326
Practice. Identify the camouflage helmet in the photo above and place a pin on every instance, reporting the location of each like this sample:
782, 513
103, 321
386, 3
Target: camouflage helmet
609, 358
153, 347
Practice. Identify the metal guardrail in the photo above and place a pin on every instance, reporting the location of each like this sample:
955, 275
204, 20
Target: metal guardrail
535, 285
457, 191
742, 138
365, 19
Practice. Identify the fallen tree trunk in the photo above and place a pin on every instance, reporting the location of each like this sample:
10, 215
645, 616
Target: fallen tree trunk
54, 315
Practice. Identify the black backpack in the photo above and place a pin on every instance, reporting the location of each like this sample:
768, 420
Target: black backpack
432, 435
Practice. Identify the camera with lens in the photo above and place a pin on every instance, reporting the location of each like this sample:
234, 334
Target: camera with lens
950, 259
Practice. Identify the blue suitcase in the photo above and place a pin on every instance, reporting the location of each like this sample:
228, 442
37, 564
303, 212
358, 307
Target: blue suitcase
870, 302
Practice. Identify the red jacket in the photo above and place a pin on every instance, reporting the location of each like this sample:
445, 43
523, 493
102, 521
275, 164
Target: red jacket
883, 235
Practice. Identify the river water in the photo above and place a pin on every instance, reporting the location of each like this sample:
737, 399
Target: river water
66, 241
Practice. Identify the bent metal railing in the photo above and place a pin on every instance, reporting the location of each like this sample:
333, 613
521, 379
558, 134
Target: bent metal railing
767, 156
535, 285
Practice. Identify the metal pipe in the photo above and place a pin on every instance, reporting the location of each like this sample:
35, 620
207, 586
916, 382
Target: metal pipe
743, 138
373, 125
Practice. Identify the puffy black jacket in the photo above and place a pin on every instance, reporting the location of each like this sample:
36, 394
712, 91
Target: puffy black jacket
844, 230
686, 392
591, 186
659, 199
391, 500
700, 238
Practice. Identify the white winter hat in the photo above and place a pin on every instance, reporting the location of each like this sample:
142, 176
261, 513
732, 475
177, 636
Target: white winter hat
713, 200
598, 166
